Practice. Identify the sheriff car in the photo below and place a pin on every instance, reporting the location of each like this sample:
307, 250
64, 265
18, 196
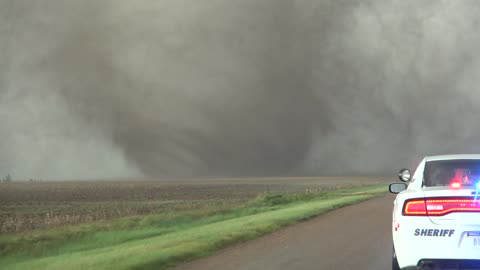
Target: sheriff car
436, 214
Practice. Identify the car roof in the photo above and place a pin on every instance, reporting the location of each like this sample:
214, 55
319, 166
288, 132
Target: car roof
452, 157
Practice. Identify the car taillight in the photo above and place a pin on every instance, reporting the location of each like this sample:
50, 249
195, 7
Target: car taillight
415, 208
440, 206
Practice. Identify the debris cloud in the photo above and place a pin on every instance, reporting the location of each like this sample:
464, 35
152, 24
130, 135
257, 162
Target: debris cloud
116, 88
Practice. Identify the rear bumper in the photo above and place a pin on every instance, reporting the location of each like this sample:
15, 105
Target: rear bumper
414, 250
435, 264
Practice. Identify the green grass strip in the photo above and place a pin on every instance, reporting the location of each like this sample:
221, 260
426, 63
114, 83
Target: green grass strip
164, 250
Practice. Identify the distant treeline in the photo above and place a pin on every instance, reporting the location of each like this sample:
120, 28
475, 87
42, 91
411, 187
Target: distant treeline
7, 179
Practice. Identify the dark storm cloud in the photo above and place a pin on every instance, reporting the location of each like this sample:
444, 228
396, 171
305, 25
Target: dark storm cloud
209, 88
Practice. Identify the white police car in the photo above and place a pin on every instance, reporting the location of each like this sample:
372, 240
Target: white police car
436, 217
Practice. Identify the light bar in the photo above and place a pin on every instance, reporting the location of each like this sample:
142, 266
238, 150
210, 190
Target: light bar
455, 185
440, 206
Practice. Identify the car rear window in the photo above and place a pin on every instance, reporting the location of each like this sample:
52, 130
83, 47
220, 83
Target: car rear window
446, 172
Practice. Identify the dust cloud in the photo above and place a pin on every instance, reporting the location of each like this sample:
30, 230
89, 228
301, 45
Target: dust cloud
157, 88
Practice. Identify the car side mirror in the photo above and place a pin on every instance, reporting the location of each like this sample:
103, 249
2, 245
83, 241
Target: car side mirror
396, 188
404, 175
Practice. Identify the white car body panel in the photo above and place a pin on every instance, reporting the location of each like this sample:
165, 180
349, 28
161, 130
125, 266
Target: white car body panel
419, 238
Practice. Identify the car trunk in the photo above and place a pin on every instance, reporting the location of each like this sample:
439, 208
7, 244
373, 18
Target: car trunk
466, 200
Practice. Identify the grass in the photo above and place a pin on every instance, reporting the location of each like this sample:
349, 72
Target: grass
162, 241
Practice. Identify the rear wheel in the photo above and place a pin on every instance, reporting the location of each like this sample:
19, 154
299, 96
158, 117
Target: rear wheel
395, 265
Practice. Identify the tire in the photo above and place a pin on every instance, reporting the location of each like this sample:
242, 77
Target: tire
395, 265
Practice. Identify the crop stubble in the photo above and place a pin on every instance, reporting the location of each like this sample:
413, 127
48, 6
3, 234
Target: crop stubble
39, 205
